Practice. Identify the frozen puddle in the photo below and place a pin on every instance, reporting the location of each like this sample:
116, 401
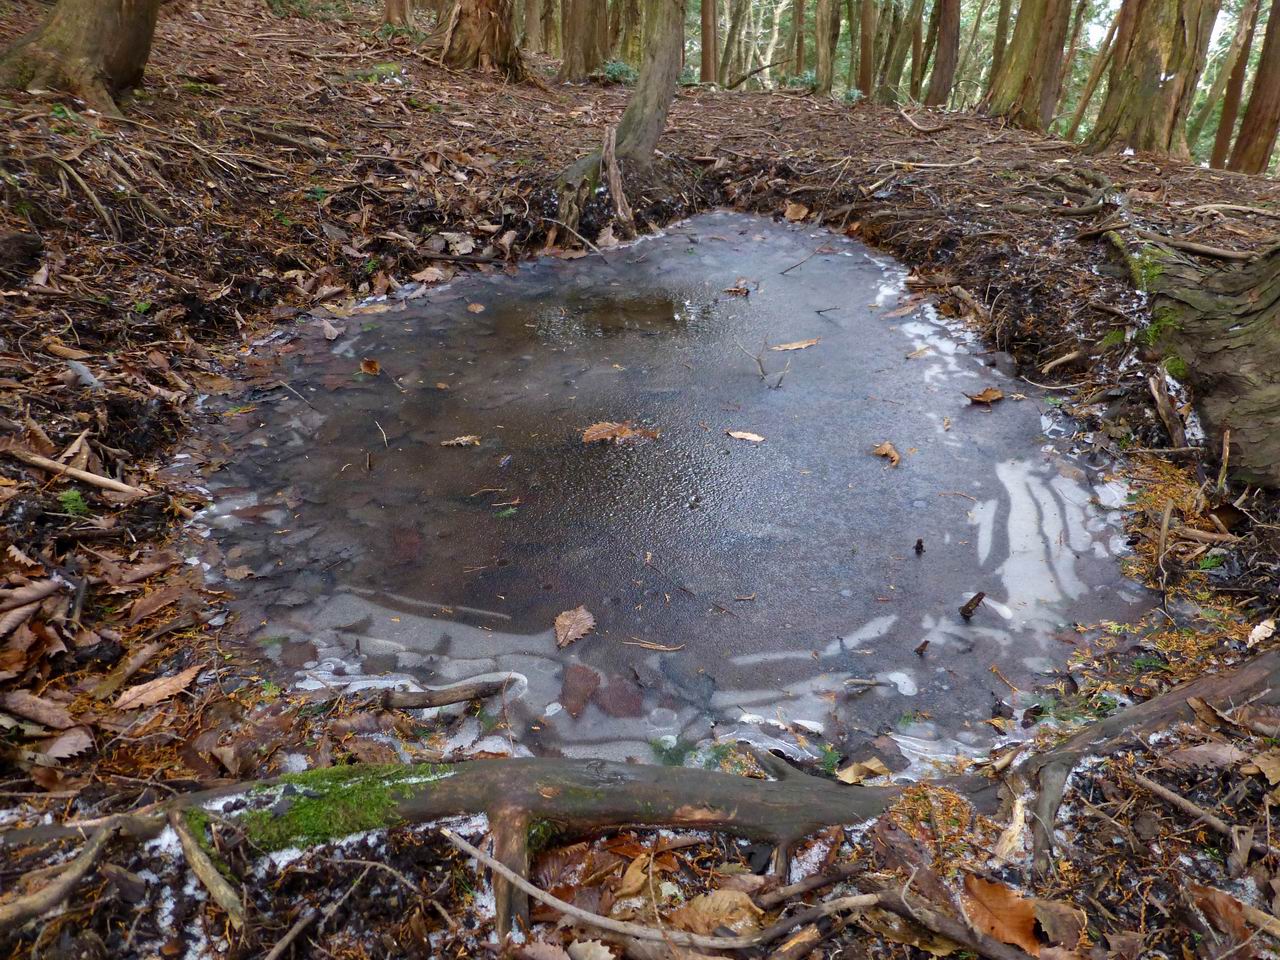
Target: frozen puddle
366, 552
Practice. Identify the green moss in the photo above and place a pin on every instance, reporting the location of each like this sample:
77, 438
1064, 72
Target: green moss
1177, 367
1148, 267
541, 835
198, 821
336, 802
1164, 321
1114, 338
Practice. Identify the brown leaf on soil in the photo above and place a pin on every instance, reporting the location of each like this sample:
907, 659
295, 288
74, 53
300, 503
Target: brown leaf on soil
69, 743
27, 705
1217, 755
987, 395
541, 951
744, 435
723, 908
573, 625
468, 440
889, 452
1001, 912
370, 367
154, 602
154, 691
1267, 764
796, 345
1062, 923
609, 431
795, 211
635, 879
1223, 911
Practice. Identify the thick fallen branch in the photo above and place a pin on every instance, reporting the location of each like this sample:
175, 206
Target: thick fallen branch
46, 898
84, 476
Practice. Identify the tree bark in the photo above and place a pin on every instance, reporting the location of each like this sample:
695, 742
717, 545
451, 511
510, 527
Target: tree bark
917, 58
1023, 90
1160, 50
1001, 39
481, 36
947, 55
926, 53
1100, 63
1231, 100
581, 25
533, 39
1224, 323
826, 34
797, 38
645, 118
630, 46
397, 13
1248, 14
890, 90
1068, 62
867, 48
94, 49
710, 42
1261, 121
779, 9
737, 16
969, 47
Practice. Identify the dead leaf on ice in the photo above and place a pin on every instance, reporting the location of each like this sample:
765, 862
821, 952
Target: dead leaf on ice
573, 625
988, 395
795, 211
467, 440
1001, 912
154, 691
744, 435
1263, 631
862, 770
796, 345
242, 572
608, 431
739, 289
370, 367
330, 331
475, 308
889, 452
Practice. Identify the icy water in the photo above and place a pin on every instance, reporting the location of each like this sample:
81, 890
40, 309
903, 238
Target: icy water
737, 586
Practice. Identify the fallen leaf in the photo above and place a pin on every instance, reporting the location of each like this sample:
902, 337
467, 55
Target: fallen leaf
863, 770
370, 367
1010, 840
26, 704
330, 331
739, 289
895, 928
1267, 764
154, 602
1218, 755
635, 878
889, 452
242, 572
609, 431
1223, 910
796, 345
795, 211
1001, 912
589, 950
154, 691
708, 912
467, 440
429, 275
744, 435
573, 625
988, 395
1062, 923
542, 951
1263, 631
475, 308
69, 743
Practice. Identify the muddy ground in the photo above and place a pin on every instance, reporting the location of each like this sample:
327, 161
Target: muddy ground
309, 162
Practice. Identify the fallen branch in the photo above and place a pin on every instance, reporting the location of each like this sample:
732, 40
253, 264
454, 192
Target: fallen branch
907, 117
45, 899
1217, 824
220, 889
84, 476
1191, 246
390, 699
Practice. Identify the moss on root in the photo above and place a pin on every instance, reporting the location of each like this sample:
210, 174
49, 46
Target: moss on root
336, 802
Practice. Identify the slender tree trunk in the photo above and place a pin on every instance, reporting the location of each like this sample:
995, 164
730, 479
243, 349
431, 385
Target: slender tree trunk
851, 75
969, 47
917, 59
533, 41
797, 38
645, 118
867, 47
551, 43
1160, 50
1248, 14
886, 38
481, 36
737, 17
1100, 64
710, 42
1225, 325
94, 49
631, 40
1231, 100
930, 45
948, 55
1068, 62
581, 23
827, 31
1001, 38
779, 8
1261, 121
397, 13
1023, 89
890, 91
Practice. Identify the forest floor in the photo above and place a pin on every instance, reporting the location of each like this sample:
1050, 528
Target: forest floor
275, 164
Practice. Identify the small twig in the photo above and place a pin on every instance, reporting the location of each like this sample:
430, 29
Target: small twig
1202, 249
45, 899
1200, 813
907, 117
84, 476
1065, 358
580, 237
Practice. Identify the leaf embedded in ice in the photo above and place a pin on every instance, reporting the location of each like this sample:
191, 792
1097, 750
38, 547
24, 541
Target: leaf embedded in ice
796, 345
744, 435
987, 395
573, 625
889, 452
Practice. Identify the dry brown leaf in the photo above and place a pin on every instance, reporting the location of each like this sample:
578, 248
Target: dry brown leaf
635, 879
370, 367
1267, 764
1062, 923
154, 691
27, 705
739, 289
242, 572
541, 951
723, 908
467, 440
1001, 912
796, 345
589, 950
1224, 911
889, 452
154, 602
862, 770
744, 435
573, 625
610, 431
795, 212
475, 308
987, 395
68, 743
1217, 755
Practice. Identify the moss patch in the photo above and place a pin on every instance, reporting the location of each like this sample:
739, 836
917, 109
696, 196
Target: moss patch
336, 802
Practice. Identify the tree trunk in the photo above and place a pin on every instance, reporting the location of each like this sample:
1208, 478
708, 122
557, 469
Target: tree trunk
948, 53
481, 36
779, 9
645, 118
737, 17
1261, 121
890, 91
94, 49
851, 74
867, 47
1023, 90
1160, 50
1224, 323
1248, 13
797, 38
969, 47
533, 39
631, 40
710, 42
926, 56
826, 34
886, 37
1001, 38
917, 58
581, 25
397, 13
1068, 62
1231, 101
1100, 63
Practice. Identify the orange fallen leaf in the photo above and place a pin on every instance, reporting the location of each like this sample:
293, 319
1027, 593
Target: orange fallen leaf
796, 345
154, 691
795, 211
708, 912
475, 307
989, 395
999, 911
609, 431
573, 625
889, 452
744, 435
863, 770
370, 367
